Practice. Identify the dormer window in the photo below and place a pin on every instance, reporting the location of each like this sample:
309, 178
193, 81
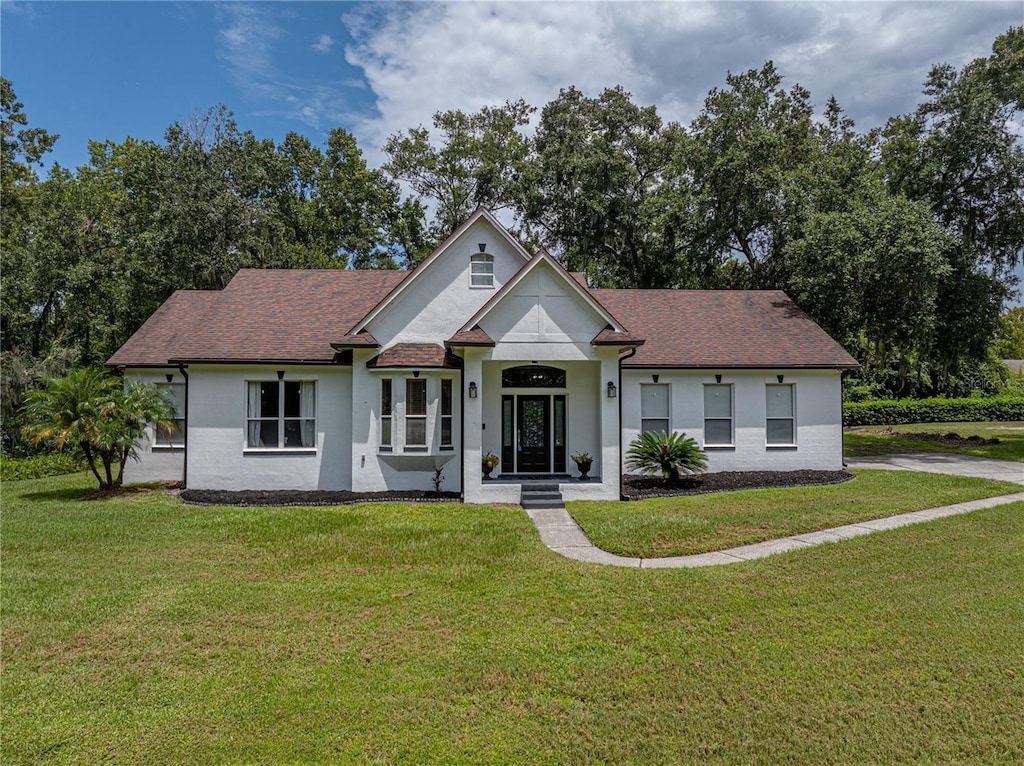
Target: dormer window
481, 270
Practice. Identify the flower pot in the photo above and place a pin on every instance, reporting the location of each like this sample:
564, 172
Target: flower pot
487, 471
584, 469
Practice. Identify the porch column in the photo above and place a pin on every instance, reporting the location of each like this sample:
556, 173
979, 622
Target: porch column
472, 417
611, 427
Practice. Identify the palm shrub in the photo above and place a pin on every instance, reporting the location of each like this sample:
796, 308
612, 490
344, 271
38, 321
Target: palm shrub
668, 453
96, 413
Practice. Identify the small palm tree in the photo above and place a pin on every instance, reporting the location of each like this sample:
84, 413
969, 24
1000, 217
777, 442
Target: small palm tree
668, 453
96, 413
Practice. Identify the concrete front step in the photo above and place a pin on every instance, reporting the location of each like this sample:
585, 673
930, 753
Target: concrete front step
537, 496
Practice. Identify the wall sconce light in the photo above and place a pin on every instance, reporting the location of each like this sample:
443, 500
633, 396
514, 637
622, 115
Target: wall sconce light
280, 374
482, 246
472, 390
415, 373
612, 391
718, 379
655, 377
169, 376
781, 378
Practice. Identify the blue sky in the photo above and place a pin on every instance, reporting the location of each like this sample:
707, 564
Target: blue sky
106, 70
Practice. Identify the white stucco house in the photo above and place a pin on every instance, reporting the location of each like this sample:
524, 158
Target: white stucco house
368, 380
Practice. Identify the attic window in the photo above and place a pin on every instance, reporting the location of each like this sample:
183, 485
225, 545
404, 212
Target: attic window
481, 270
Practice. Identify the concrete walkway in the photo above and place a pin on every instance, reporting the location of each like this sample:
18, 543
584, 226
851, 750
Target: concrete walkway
560, 532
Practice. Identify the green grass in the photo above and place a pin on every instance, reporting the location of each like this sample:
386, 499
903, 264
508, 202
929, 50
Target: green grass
873, 440
680, 526
142, 630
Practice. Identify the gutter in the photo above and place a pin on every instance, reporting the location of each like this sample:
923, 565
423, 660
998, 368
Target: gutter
184, 461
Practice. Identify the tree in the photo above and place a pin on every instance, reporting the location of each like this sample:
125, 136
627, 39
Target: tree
1009, 342
593, 190
475, 161
668, 453
96, 413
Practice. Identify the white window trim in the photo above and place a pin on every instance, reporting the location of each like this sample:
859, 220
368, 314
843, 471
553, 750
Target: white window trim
425, 446
792, 418
387, 417
281, 449
159, 445
446, 416
731, 444
485, 260
667, 417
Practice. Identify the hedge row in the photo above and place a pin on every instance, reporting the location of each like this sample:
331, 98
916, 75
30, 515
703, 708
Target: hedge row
892, 412
39, 466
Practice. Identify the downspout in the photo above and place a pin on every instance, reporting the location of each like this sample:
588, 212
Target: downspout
622, 391
462, 432
184, 455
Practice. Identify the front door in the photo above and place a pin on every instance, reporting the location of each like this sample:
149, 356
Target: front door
533, 418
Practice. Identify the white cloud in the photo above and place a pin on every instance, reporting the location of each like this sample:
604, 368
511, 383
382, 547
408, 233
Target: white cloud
873, 56
324, 44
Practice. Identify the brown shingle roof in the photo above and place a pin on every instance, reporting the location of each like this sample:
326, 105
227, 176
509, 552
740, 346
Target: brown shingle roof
414, 355
264, 315
722, 328
166, 331
473, 337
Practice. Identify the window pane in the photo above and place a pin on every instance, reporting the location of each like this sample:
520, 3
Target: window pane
385, 432
654, 400
779, 400
268, 399
718, 432
657, 425
483, 280
292, 399
506, 421
780, 431
718, 401
415, 397
266, 433
533, 376
385, 397
293, 433
416, 432
446, 396
446, 431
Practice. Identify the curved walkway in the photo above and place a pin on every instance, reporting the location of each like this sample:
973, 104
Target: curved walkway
560, 532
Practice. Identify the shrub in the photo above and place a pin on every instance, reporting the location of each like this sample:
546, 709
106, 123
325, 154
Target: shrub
39, 466
668, 453
899, 412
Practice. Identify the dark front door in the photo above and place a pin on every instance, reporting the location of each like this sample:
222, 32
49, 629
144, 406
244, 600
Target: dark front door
533, 418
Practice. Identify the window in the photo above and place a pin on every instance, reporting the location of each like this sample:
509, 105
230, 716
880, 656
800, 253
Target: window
446, 414
654, 407
718, 415
779, 426
415, 412
481, 270
385, 414
533, 376
173, 436
281, 414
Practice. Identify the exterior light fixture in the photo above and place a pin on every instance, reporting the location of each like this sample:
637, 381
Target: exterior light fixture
612, 391
655, 377
280, 374
482, 246
781, 378
169, 376
472, 390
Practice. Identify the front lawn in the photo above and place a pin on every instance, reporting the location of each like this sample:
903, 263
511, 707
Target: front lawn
876, 440
141, 630
680, 526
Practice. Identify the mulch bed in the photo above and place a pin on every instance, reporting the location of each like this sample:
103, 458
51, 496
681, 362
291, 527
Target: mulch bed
952, 439
633, 488
311, 497
636, 487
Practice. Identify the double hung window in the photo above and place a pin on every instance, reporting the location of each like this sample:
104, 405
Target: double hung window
415, 413
385, 414
446, 414
173, 435
779, 424
718, 414
281, 414
654, 407
481, 270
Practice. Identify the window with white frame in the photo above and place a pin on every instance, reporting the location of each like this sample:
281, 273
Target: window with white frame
446, 414
281, 414
415, 413
385, 414
481, 270
173, 435
780, 426
654, 407
717, 414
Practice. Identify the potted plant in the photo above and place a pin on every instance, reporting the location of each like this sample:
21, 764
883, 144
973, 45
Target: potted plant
488, 462
583, 462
